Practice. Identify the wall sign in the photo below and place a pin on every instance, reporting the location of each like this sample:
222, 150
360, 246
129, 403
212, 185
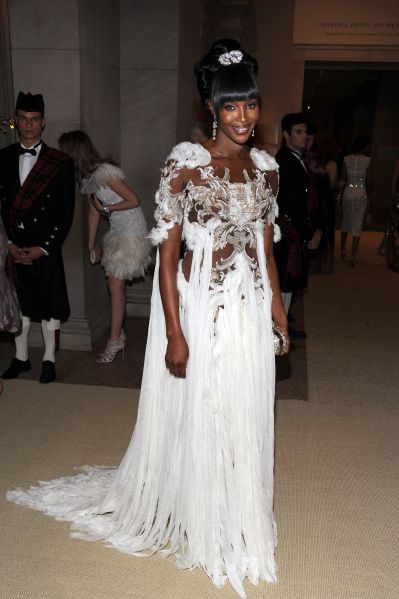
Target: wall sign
347, 22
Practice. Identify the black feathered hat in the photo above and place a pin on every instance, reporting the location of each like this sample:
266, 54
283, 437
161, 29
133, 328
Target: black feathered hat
30, 103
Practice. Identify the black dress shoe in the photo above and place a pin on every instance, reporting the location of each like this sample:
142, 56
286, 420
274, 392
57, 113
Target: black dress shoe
295, 334
15, 368
47, 374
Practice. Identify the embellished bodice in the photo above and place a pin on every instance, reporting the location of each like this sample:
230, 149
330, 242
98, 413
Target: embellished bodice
214, 211
356, 168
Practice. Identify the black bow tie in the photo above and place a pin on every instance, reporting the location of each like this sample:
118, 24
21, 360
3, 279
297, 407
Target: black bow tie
31, 151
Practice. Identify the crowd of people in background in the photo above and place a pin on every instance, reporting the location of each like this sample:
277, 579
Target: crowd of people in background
317, 184
236, 230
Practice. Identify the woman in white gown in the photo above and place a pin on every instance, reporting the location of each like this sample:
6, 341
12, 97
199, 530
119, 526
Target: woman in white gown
197, 478
125, 248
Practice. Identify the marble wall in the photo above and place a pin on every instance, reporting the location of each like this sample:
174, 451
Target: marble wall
45, 59
149, 84
159, 45
190, 51
99, 50
7, 135
69, 52
267, 33
99, 54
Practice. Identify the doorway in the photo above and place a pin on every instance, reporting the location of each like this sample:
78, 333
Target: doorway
346, 99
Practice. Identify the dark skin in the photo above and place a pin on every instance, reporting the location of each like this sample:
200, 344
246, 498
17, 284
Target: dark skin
236, 121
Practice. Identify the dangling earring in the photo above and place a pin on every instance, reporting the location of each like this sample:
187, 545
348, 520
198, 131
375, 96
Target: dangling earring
214, 128
253, 132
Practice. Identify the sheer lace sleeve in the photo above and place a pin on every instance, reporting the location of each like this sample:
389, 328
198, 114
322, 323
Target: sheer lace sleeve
169, 201
272, 209
268, 165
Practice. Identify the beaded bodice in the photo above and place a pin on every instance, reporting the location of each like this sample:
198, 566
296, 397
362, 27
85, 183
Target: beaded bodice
213, 210
356, 167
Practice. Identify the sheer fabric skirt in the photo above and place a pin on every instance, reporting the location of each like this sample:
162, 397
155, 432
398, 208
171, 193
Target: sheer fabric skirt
354, 204
197, 478
10, 313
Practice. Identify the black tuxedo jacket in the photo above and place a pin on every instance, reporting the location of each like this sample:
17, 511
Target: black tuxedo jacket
294, 220
41, 288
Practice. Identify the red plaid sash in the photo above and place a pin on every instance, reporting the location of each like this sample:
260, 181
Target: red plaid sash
47, 166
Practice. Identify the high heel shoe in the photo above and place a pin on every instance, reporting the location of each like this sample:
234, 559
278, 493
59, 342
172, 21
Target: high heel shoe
112, 349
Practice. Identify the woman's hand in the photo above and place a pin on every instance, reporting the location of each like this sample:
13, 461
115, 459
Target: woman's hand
281, 323
94, 255
176, 356
314, 243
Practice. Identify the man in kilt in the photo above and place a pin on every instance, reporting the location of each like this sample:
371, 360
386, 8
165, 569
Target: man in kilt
37, 194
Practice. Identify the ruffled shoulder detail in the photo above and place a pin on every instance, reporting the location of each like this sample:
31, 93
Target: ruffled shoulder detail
263, 161
189, 155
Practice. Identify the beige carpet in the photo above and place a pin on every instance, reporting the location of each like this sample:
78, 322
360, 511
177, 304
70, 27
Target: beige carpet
337, 484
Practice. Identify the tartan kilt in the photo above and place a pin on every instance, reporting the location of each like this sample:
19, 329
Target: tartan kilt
41, 289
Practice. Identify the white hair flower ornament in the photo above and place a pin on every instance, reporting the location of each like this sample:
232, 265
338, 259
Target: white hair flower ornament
233, 57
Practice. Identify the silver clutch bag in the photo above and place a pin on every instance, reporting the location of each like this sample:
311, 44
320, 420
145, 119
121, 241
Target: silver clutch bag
280, 341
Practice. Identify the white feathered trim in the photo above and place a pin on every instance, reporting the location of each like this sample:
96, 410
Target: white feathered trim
190, 155
159, 233
277, 233
263, 161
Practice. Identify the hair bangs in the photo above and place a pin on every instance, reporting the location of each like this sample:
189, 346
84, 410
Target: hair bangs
233, 84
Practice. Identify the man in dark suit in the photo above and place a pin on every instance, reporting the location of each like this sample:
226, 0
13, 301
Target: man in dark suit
37, 193
299, 228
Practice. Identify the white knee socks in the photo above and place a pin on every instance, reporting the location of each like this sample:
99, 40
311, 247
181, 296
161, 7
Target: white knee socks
21, 342
48, 329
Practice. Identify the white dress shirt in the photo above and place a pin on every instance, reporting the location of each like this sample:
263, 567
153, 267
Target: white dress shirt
300, 158
27, 162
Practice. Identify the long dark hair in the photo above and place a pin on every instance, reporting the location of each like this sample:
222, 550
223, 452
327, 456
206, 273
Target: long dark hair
78, 145
218, 83
325, 151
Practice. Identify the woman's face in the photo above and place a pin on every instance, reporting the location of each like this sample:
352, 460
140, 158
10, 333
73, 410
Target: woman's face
237, 119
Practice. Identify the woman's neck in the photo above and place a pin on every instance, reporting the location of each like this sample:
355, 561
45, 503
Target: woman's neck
221, 149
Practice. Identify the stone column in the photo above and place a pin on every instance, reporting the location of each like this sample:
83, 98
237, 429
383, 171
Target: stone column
267, 33
159, 45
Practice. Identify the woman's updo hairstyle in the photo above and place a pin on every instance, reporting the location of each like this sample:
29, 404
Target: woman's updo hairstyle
230, 78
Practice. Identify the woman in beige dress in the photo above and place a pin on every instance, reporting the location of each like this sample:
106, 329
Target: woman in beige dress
355, 197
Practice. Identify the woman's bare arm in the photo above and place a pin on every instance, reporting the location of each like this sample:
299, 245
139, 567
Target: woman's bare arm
93, 220
332, 169
130, 199
176, 356
278, 310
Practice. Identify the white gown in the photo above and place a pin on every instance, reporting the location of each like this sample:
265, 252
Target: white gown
197, 478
